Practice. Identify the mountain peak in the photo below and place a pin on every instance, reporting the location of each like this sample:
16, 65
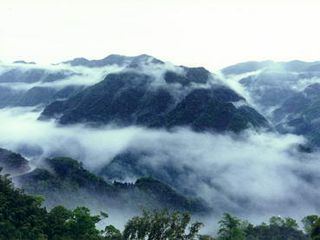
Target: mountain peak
114, 59
24, 62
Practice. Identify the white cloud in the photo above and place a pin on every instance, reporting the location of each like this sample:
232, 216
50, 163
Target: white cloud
254, 175
75, 76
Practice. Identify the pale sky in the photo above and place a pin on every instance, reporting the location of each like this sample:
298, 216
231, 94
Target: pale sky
210, 33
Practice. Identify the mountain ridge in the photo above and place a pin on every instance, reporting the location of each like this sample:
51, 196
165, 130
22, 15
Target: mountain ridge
147, 96
61, 178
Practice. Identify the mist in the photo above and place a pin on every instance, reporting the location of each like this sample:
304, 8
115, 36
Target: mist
253, 175
22, 132
74, 76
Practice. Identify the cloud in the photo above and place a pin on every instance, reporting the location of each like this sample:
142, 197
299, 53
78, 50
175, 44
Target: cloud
73, 76
85, 76
233, 81
268, 88
253, 174
254, 167
21, 131
59, 76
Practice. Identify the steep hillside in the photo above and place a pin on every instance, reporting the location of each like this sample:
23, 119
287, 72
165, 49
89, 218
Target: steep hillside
287, 93
64, 181
25, 84
155, 96
13, 163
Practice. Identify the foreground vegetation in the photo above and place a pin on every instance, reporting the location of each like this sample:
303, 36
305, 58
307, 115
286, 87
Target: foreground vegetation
23, 218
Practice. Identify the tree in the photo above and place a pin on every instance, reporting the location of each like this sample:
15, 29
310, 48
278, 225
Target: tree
231, 228
308, 223
276, 221
291, 223
82, 226
161, 225
21, 216
56, 222
286, 222
112, 233
315, 230
278, 229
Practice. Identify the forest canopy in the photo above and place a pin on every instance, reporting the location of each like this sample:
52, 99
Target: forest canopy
22, 217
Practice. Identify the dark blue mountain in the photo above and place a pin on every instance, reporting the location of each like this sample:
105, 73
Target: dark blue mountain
65, 181
13, 163
113, 59
287, 93
192, 99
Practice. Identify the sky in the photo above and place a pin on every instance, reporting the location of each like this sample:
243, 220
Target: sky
210, 33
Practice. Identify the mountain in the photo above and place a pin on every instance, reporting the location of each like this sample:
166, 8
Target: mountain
32, 74
300, 114
24, 215
25, 84
155, 96
291, 66
13, 163
139, 90
287, 93
245, 67
24, 62
29, 84
34, 96
133, 164
114, 59
64, 181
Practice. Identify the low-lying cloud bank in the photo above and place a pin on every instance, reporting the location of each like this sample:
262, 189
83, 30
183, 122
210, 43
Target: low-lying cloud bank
20, 131
69, 76
253, 175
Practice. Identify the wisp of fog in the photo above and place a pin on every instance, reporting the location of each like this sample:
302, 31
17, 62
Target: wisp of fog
253, 175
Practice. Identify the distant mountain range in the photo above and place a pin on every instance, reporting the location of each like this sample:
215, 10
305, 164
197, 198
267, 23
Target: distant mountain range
286, 93
64, 181
114, 59
130, 99
147, 92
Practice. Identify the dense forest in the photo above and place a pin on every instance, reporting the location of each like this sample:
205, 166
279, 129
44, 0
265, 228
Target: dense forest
22, 217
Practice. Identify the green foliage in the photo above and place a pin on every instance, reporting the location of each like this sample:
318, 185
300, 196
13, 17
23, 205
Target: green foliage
276, 221
126, 98
23, 218
162, 225
278, 229
168, 197
112, 233
231, 228
284, 222
315, 230
56, 220
291, 223
72, 171
67, 177
81, 225
308, 223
